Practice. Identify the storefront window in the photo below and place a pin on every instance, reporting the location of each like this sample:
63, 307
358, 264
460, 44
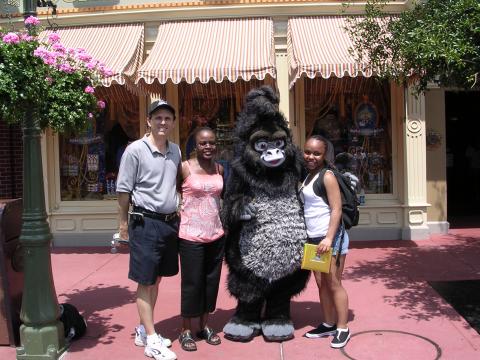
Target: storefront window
89, 161
216, 106
354, 114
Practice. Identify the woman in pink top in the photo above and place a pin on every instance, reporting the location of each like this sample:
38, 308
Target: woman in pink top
201, 244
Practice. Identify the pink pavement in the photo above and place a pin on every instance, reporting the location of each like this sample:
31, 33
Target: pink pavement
394, 313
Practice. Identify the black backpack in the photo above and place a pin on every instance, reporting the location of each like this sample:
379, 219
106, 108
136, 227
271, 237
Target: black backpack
348, 193
74, 324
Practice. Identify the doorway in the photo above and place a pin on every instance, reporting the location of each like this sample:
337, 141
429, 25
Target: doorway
463, 158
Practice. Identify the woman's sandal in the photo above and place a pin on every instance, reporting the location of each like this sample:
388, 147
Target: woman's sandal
187, 342
210, 336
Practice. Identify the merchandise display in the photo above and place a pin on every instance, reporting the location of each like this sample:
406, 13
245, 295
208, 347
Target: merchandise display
354, 114
82, 166
89, 161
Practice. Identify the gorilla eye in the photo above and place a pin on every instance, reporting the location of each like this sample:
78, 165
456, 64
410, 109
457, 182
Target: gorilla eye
261, 145
279, 143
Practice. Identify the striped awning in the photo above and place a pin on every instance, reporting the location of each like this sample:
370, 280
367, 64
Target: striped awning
215, 49
118, 46
319, 46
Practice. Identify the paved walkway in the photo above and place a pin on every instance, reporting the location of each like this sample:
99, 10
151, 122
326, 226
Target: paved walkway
394, 313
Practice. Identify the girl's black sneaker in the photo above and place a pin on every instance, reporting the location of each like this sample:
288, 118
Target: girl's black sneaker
321, 331
340, 339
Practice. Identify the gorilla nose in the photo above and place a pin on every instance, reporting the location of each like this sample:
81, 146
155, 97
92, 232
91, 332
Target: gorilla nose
272, 151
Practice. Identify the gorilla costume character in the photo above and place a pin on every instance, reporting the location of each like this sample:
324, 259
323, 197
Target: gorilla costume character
263, 218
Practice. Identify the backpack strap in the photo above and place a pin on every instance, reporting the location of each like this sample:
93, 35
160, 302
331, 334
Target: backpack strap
319, 185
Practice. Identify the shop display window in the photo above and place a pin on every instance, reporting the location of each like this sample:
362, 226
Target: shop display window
354, 115
215, 105
89, 161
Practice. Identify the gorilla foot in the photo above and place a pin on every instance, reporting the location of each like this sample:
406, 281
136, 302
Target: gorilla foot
242, 331
277, 329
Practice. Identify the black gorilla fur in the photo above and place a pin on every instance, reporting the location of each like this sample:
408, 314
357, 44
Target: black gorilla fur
255, 279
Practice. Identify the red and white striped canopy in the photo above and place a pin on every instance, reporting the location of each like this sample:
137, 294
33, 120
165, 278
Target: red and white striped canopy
118, 46
215, 49
319, 46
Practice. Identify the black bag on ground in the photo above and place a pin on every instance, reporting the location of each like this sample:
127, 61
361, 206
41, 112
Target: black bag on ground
350, 202
74, 324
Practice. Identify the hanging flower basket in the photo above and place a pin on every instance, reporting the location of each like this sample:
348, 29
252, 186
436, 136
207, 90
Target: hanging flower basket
47, 81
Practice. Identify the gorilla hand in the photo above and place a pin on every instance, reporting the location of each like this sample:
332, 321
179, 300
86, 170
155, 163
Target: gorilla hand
249, 212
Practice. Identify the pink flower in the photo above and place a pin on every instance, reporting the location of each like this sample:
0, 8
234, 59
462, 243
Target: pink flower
53, 38
40, 52
58, 55
11, 38
59, 48
104, 71
84, 57
49, 60
66, 68
90, 115
49, 79
89, 90
48, 57
26, 37
32, 20
91, 65
101, 104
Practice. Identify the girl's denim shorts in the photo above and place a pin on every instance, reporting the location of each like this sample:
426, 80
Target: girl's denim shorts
336, 242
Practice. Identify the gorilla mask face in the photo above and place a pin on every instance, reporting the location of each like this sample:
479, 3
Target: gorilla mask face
269, 146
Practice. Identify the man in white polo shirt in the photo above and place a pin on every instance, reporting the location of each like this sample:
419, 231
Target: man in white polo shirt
147, 179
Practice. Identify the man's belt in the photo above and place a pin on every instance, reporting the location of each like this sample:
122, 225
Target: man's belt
155, 215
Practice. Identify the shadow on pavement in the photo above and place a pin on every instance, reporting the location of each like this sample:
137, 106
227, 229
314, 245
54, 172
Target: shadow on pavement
404, 266
92, 302
464, 296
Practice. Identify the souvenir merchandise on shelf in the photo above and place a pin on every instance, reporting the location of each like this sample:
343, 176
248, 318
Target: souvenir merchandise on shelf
110, 186
354, 114
83, 165
89, 161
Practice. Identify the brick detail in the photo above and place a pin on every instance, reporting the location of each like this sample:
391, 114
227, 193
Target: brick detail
11, 161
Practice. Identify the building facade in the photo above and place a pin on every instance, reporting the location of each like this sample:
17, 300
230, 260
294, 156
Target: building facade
203, 57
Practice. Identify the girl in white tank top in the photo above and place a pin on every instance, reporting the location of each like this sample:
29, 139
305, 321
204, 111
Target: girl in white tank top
316, 211
323, 223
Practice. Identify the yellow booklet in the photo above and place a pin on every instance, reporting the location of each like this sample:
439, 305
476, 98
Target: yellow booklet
311, 261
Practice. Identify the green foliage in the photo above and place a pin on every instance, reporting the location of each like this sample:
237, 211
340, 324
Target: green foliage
433, 41
44, 80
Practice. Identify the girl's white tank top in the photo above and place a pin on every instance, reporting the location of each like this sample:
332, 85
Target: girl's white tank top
316, 211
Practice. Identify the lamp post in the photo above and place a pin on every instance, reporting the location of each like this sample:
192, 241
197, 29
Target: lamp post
41, 333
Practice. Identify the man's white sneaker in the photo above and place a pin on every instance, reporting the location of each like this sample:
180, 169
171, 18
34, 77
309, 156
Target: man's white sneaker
166, 342
159, 351
141, 337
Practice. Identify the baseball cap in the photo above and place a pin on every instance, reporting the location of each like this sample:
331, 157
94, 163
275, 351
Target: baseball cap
160, 104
